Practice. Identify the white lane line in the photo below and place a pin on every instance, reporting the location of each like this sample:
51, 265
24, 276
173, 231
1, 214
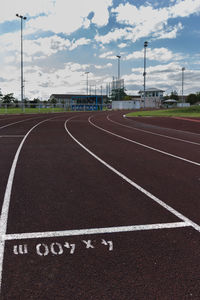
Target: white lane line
155, 126
143, 145
6, 201
17, 122
63, 233
135, 185
150, 132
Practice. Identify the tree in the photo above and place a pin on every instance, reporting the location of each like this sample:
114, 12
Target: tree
53, 101
8, 98
174, 95
192, 98
16, 102
45, 102
1, 95
34, 102
127, 97
198, 96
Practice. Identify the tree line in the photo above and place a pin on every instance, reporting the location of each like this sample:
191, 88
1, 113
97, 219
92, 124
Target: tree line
10, 99
192, 98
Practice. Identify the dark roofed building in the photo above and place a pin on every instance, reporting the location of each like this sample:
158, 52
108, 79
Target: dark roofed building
67, 98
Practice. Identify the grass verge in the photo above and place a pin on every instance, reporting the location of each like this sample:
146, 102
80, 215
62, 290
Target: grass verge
30, 110
193, 111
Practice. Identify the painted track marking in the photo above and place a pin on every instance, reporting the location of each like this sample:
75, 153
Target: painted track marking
186, 119
10, 124
7, 195
49, 234
171, 129
135, 185
5, 209
150, 132
143, 145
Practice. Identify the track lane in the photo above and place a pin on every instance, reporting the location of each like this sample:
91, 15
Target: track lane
10, 138
17, 211
168, 179
69, 164
144, 265
168, 124
188, 151
160, 134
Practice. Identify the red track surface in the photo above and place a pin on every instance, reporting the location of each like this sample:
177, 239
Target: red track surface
59, 186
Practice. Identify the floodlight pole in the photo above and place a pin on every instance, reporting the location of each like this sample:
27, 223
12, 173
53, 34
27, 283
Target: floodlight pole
87, 83
144, 74
22, 80
118, 56
183, 69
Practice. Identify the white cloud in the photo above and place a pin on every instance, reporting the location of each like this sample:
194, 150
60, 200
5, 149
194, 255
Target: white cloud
76, 67
170, 33
114, 35
158, 54
185, 8
79, 42
146, 21
122, 45
65, 18
108, 55
10, 8
108, 65
38, 48
165, 76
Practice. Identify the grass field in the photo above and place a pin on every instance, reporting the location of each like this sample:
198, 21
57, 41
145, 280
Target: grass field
193, 111
30, 110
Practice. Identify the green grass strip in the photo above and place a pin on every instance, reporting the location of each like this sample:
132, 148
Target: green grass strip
193, 111
30, 110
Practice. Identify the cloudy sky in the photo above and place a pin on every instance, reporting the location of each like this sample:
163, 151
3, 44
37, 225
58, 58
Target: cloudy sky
63, 39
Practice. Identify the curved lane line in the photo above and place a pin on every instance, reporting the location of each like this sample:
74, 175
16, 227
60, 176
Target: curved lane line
143, 145
150, 132
17, 122
134, 184
7, 195
159, 127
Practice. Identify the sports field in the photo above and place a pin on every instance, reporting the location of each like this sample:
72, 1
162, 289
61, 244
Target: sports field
97, 206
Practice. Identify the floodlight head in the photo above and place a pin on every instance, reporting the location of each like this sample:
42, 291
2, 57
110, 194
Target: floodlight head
183, 69
145, 44
118, 56
24, 18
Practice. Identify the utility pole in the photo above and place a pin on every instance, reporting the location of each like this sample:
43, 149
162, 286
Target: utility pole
144, 74
183, 69
87, 83
22, 80
118, 56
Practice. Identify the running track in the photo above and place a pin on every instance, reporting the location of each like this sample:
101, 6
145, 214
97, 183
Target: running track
98, 206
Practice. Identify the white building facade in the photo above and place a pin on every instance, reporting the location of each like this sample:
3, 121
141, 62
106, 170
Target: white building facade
153, 98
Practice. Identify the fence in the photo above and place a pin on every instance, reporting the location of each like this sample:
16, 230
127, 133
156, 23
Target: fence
20, 108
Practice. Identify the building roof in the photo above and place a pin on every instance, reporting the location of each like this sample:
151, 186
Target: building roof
170, 101
64, 96
68, 96
151, 90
